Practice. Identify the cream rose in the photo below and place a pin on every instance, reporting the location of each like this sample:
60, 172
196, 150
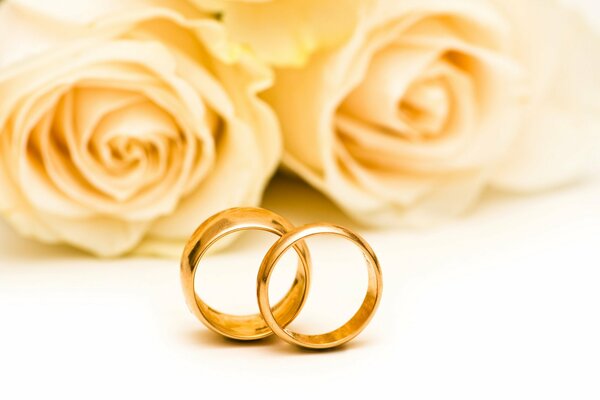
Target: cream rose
429, 102
287, 32
121, 120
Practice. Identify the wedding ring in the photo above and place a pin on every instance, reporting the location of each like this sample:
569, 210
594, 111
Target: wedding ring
246, 327
351, 328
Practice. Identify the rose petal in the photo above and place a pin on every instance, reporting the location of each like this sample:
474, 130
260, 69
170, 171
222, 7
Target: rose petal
561, 131
287, 32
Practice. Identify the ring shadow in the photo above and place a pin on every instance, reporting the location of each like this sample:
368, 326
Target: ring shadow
271, 343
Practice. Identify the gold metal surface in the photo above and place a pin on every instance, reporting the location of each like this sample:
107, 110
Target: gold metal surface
247, 327
350, 329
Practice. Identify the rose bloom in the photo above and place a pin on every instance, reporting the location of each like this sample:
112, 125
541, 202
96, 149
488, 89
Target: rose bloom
287, 32
121, 120
429, 102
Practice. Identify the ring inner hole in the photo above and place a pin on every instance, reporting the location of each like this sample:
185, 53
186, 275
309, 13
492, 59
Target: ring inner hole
339, 281
226, 276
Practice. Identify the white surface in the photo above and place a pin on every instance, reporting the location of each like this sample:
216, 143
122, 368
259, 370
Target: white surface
501, 304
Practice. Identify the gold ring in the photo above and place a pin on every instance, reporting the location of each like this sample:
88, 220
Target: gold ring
351, 328
247, 327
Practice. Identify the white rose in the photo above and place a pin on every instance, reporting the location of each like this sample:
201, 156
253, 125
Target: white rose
560, 131
287, 32
429, 102
121, 120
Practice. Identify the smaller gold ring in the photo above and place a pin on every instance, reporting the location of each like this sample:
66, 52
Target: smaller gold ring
350, 329
245, 327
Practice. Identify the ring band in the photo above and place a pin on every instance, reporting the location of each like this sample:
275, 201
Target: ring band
247, 327
351, 328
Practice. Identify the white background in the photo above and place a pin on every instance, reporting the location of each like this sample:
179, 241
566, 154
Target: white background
501, 304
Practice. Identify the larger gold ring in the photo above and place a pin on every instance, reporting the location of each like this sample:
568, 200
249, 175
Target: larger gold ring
247, 327
351, 328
